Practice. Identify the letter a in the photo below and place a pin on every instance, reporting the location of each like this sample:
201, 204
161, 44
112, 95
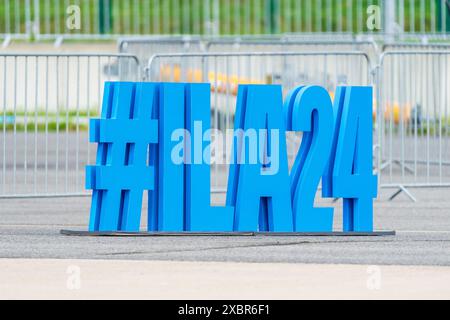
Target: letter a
261, 197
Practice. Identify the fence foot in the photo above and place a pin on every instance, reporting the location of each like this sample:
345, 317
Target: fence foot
403, 165
384, 165
58, 42
6, 42
388, 163
400, 190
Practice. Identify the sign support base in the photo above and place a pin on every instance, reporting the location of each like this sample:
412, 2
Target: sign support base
225, 234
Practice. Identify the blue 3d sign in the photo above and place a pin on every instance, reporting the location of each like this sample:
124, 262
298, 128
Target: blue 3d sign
157, 137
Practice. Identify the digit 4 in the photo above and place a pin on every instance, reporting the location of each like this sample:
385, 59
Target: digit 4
352, 174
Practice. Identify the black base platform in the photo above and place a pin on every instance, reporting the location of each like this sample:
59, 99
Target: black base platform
225, 234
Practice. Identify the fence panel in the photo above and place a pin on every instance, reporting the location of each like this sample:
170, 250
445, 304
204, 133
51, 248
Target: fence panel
45, 104
144, 48
413, 119
225, 71
407, 46
100, 19
294, 44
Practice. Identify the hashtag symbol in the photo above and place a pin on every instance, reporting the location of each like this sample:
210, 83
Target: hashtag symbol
122, 174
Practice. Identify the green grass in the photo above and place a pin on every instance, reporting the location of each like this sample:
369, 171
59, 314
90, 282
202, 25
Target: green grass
426, 128
145, 16
71, 120
52, 126
43, 113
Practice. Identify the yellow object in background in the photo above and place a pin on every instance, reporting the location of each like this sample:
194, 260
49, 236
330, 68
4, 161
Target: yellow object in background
220, 82
397, 112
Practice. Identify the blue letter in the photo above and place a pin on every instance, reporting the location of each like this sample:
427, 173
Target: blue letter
261, 197
311, 113
353, 177
170, 175
200, 216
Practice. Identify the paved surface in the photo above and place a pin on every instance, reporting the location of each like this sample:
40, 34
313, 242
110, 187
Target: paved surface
29, 228
93, 279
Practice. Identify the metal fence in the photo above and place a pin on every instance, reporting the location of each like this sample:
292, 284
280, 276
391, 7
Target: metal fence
407, 46
226, 70
46, 100
293, 44
104, 19
413, 120
145, 48
45, 104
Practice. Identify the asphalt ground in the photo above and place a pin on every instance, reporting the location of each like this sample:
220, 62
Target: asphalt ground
30, 228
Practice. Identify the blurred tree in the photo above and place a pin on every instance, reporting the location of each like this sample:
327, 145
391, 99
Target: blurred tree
105, 16
272, 22
443, 17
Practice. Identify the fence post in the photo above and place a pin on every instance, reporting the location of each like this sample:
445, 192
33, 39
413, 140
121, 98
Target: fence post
36, 25
377, 78
206, 18
389, 20
28, 21
216, 18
